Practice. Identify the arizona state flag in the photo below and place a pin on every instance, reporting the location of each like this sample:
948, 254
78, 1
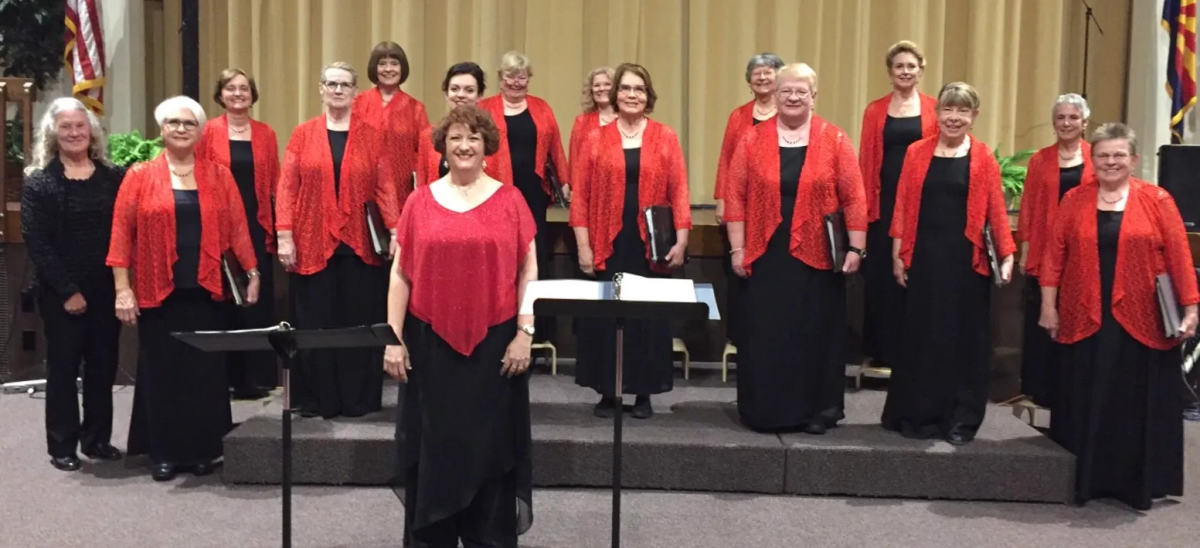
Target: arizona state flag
1179, 19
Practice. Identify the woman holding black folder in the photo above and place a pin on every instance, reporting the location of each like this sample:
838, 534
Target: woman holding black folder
1119, 408
331, 174
630, 165
949, 191
786, 176
175, 217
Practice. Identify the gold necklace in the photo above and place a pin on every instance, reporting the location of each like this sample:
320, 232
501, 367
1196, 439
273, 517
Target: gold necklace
1117, 201
182, 175
762, 113
635, 132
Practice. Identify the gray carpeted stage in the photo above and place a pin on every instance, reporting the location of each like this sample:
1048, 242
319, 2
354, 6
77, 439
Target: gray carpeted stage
695, 443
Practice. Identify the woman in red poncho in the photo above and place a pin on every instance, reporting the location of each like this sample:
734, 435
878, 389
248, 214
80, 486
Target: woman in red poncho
949, 191
466, 254
1119, 407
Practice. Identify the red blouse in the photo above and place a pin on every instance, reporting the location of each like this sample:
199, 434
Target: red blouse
405, 118
740, 120
829, 181
985, 202
464, 267
320, 216
549, 140
214, 147
143, 232
1152, 241
497, 166
1039, 203
870, 145
584, 124
599, 192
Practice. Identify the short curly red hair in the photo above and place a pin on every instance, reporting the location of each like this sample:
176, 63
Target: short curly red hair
477, 120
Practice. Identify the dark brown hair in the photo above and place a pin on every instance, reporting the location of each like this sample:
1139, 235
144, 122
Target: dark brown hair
477, 120
466, 67
227, 76
651, 96
387, 50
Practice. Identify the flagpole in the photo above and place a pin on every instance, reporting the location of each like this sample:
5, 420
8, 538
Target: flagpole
189, 32
1089, 18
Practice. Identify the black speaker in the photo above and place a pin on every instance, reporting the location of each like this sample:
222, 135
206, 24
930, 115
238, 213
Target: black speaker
1179, 174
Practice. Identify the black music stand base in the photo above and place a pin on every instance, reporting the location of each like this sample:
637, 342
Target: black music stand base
618, 412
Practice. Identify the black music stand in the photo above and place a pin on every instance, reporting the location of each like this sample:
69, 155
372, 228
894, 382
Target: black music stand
286, 342
620, 311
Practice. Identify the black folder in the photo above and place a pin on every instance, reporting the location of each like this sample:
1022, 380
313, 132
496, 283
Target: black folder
989, 242
1168, 305
237, 283
660, 228
381, 239
560, 198
838, 238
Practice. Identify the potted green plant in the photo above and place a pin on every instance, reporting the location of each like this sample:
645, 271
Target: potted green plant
1012, 176
32, 43
126, 149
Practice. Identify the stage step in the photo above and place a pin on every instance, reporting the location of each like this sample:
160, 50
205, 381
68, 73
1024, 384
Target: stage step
694, 442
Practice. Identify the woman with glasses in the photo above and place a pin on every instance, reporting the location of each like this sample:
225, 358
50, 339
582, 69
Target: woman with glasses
174, 218
463, 84
630, 165
331, 171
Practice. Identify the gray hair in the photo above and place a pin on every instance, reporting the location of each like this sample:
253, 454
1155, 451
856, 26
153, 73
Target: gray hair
340, 65
175, 104
45, 145
765, 59
1115, 131
1074, 100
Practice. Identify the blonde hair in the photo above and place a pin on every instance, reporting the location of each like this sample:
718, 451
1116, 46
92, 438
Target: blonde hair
958, 94
904, 46
587, 101
515, 61
340, 65
798, 71
45, 144
1115, 131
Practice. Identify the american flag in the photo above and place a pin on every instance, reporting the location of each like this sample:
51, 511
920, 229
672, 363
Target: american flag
1179, 20
84, 54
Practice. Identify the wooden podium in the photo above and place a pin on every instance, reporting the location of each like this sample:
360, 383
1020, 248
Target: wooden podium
18, 91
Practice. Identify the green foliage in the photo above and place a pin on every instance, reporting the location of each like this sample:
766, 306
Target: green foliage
126, 149
14, 139
31, 39
1013, 171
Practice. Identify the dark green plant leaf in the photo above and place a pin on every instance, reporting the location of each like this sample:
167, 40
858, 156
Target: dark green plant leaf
126, 149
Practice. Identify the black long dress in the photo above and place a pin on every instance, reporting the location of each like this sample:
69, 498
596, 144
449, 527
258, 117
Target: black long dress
249, 372
522, 148
1040, 355
883, 309
647, 366
791, 372
941, 386
181, 400
1119, 411
735, 291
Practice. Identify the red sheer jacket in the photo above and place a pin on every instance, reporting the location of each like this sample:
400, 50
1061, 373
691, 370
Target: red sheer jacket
1039, 202
214, 147
464, 267
1152, 241
599, 192
320, 216
143, 232
405, 118
584, 124
740, 120
829, 181
549, 139
498, 166
870, 145
985, 202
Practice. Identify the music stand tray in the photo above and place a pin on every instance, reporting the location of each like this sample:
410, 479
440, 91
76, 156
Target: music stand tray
286, 342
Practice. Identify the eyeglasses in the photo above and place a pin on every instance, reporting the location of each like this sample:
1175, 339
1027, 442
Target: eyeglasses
338, 86
1119, 156
787, 93
176, 124
632, 90
516, 78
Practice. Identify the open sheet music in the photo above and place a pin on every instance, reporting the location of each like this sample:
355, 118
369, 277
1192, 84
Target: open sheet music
625, 287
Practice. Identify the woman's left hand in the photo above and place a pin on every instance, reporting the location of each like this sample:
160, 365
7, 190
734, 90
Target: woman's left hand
851, 263
252, 289
392, 248
1187, 326
1006, 266
516, 356
675, 255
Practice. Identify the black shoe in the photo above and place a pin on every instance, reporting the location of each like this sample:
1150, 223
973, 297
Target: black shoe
642, 408
959, 437
203, 469
307, 413
814, 428
605, 408
162, 472
103, 451
69, 463
249, 393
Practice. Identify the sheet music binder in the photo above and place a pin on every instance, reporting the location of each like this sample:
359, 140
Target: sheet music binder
660, 231
560, 197
989, 242
237, 283
380, 237
1168, 305
838, 238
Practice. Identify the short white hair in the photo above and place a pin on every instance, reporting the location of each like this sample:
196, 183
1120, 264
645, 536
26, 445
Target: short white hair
169, 107
45, 145
1072, 99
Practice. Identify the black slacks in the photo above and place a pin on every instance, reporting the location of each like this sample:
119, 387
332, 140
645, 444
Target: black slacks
90, 339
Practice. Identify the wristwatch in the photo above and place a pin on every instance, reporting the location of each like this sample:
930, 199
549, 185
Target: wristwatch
528, 329
862, 253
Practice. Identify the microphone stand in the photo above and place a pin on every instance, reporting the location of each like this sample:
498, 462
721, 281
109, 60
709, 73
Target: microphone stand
1089, 18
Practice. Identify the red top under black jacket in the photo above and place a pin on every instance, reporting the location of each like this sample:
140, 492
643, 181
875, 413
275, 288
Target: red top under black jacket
740, 120
214, 147
598, 196
870, 144
829, 181
549, 140
320, 217
1152, 241
1039, 202
143, 235
405, 118
498, 166
584, 124
985, 202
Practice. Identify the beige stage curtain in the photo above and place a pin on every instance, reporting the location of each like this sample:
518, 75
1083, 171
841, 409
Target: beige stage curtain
1019, 54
